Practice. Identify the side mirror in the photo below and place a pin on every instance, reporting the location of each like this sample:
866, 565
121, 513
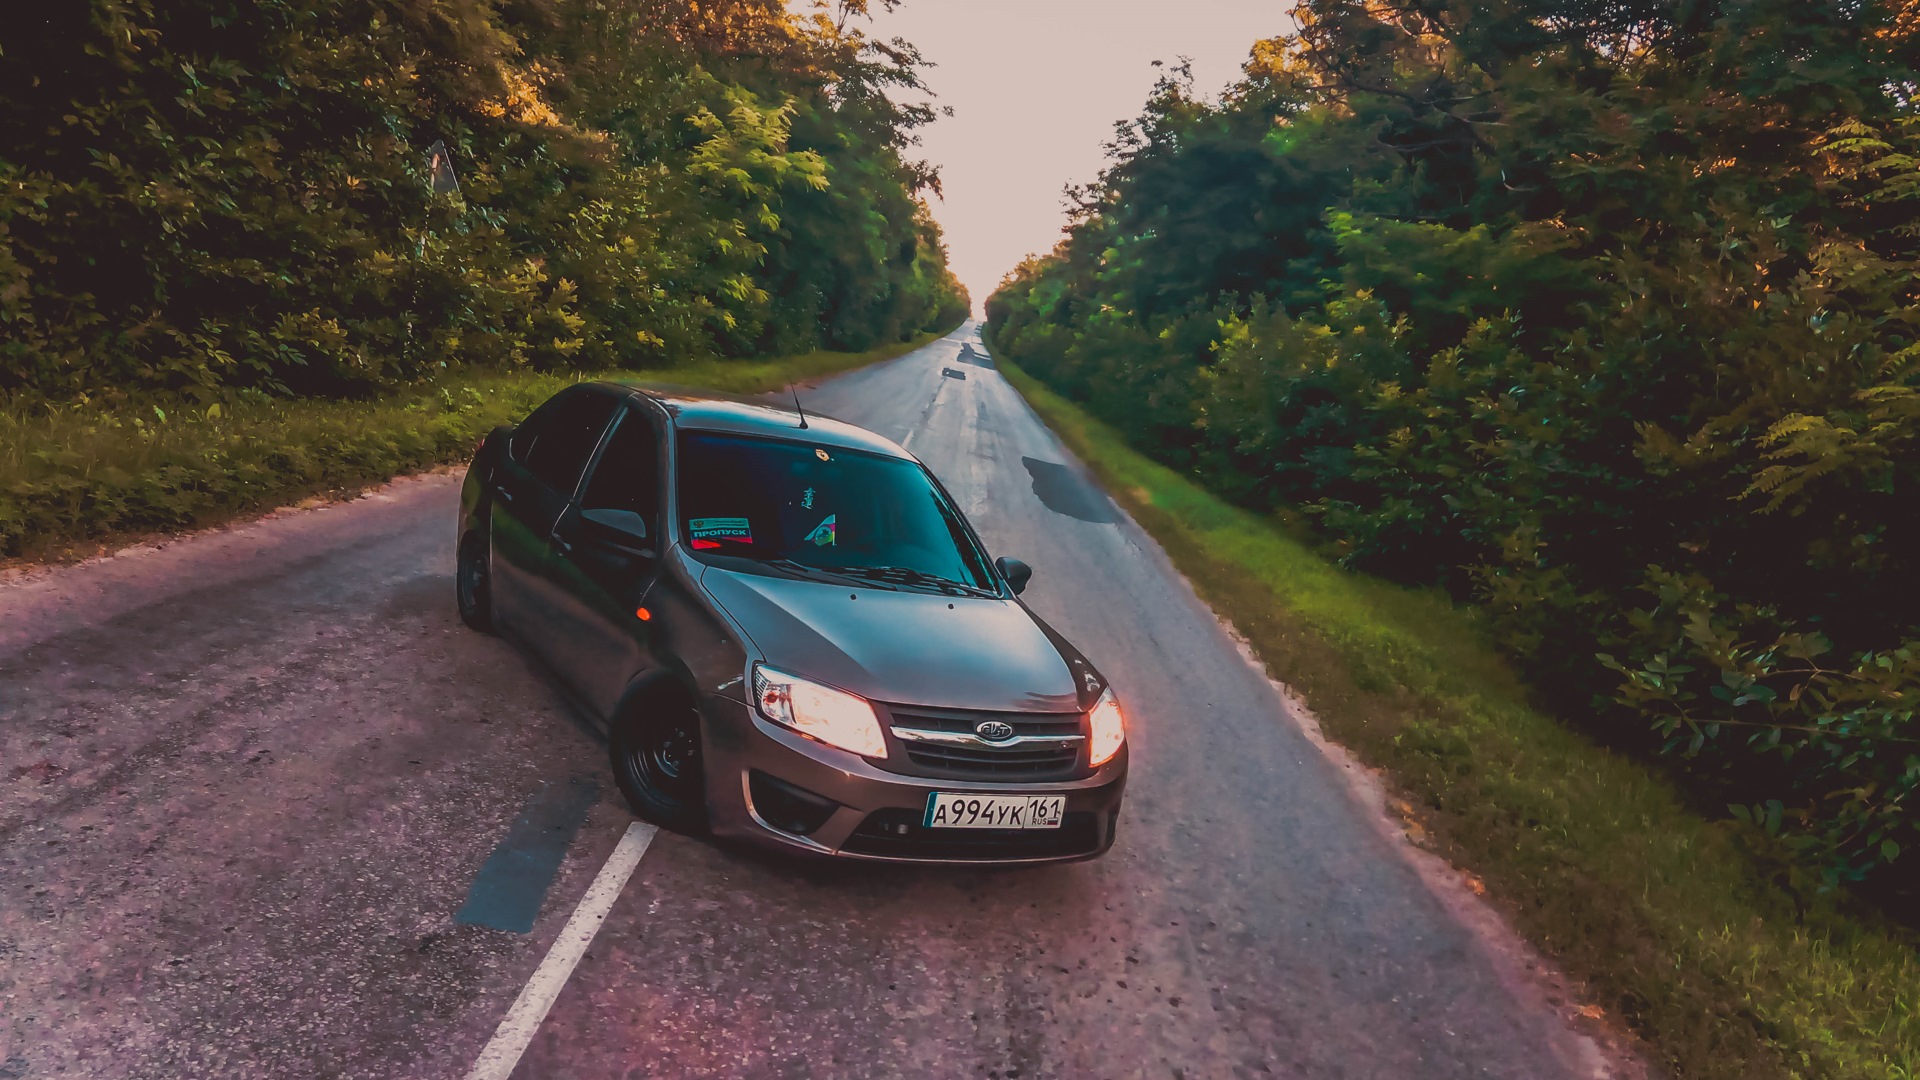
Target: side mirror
622, 530
1016, 572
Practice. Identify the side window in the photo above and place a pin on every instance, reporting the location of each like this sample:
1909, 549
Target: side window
628, 475
564, 438
528, 433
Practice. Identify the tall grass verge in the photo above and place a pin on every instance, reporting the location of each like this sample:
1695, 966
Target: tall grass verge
74, 477
1679, 925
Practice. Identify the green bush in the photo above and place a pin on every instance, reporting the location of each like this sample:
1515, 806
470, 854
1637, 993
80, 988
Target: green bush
1666, 920
198, 196
1607, 320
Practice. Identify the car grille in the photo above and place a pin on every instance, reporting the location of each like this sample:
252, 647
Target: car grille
898, 834
983, 762
955, 720
1014, 762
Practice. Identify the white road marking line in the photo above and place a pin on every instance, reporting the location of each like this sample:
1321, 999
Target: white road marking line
510, 1039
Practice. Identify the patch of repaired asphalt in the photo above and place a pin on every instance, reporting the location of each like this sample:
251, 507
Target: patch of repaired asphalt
976, 357
511, 887
1062, 491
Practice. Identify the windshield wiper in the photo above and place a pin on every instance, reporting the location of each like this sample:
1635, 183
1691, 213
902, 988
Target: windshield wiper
817, 573
907, 575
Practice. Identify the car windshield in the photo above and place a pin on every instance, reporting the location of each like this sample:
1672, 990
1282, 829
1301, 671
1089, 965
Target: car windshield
823, 511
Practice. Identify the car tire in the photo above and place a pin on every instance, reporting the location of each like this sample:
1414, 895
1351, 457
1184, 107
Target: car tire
656, 751
473, 583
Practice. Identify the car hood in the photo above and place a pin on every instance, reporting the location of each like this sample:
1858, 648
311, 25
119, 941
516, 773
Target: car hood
905, 647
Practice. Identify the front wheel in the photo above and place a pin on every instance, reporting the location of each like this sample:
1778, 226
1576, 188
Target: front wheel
473, 584
657, 761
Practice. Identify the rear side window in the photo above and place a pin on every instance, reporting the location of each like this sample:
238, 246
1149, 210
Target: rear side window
525, 435
628, 475
563, 437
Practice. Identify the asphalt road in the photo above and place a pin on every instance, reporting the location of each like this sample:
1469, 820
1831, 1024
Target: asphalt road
249, 779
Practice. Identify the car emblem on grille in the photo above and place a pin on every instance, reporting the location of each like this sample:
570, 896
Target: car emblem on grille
994, 730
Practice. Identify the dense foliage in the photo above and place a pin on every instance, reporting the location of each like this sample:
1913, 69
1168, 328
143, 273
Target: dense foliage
1605, 315
203, 196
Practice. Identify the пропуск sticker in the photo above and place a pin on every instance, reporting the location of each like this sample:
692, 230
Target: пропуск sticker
708, 532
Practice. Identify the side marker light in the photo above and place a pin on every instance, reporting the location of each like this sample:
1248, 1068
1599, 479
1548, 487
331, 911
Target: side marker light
643, 614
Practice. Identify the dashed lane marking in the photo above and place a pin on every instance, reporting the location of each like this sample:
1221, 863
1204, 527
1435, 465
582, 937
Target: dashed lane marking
510, 1039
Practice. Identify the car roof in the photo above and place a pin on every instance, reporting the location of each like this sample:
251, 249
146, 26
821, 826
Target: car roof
702, 410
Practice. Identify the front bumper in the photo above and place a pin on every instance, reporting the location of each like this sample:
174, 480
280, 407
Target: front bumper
753, 766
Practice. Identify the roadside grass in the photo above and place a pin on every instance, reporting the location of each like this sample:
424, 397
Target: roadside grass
1675, 923
74, 479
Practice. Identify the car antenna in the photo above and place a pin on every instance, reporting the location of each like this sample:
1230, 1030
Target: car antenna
796, 406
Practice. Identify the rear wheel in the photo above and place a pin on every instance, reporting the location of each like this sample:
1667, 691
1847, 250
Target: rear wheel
473, 583
657, 761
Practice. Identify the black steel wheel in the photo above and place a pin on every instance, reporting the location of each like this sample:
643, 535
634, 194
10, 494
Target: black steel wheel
473, 584
657, 761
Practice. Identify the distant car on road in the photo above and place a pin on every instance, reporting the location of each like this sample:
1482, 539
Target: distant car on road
791, 632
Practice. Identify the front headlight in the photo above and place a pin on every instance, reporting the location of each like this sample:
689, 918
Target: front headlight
1109, 729
834, 717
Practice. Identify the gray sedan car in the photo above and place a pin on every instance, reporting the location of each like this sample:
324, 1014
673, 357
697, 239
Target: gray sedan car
790, 631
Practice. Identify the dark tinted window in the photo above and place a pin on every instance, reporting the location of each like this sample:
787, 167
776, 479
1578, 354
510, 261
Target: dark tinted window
628, 474
528, 431
564, 435
822, 507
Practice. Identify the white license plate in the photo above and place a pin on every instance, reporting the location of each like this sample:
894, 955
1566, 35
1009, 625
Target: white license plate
950, 810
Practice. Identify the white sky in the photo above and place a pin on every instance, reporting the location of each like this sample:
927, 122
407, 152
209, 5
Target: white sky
1036, 87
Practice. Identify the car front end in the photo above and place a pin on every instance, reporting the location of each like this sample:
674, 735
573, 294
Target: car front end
833, 774
886, 695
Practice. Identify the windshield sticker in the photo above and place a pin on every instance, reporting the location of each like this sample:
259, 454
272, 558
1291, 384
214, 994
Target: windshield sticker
709, 532
823, 536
